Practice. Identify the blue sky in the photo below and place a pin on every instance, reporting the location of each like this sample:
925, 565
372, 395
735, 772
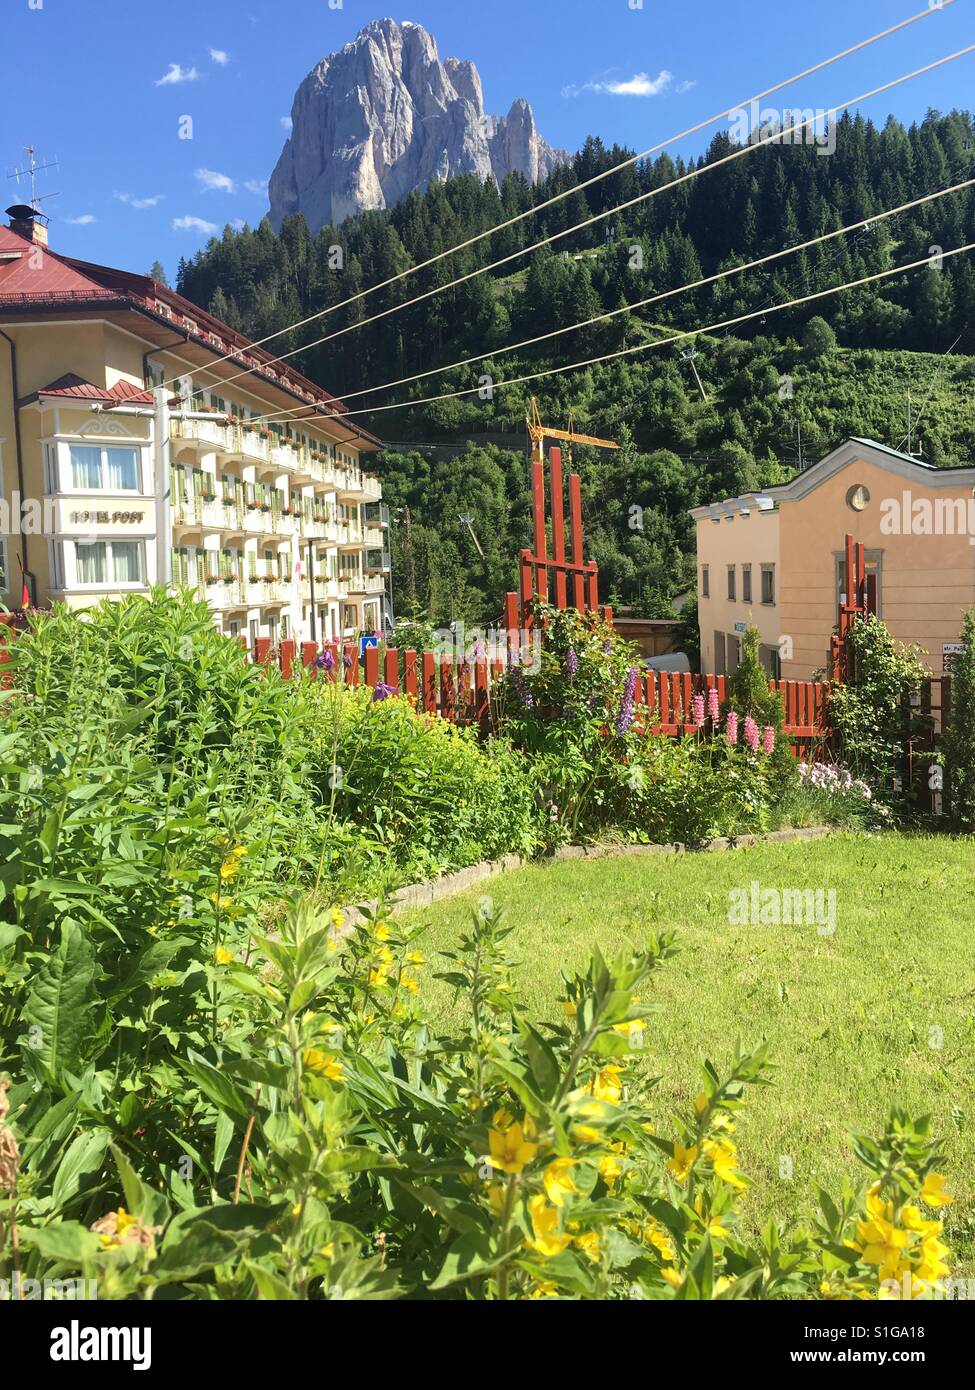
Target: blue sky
103, 85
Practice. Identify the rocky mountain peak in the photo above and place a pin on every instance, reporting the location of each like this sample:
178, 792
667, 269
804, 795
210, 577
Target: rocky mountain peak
384, 116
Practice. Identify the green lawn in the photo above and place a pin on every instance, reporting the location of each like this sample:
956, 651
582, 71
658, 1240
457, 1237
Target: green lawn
850, 1018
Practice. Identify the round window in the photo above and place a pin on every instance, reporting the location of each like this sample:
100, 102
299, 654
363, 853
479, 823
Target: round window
858, 498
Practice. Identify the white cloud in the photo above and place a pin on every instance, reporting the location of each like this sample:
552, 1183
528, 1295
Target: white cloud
220, 56
177, 74
256, 186
212, 182
85, 220
287, 122
641, 84
193, 224
133, 202
238, 224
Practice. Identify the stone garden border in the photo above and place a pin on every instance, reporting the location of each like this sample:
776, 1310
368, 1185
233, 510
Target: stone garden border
419, 895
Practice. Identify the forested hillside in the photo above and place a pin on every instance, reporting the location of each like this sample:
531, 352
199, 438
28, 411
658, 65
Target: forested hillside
789, 387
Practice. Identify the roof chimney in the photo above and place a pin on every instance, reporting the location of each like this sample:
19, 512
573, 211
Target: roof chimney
27, 222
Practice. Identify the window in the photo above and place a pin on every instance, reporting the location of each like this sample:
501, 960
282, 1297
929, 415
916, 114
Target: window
768, 584
106, 470
705, 582
253, 632
731, 583
285, 627
109, 562
771, 660
719, 654
746, 583
56, 554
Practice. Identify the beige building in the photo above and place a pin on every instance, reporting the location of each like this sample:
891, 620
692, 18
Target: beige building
130, 456
776, 559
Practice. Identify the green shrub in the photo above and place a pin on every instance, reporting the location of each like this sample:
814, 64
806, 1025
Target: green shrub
868, 710
327, 1146
959, 736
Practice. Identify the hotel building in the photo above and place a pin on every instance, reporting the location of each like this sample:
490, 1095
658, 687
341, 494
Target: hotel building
133, 452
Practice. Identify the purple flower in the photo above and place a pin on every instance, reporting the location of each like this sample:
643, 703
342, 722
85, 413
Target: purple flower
731, 728
713, 707
607, 649
325, 661
521, 688
697, 710
751, 733
768, 742
347, 661
571, 664
382, 692
625, 717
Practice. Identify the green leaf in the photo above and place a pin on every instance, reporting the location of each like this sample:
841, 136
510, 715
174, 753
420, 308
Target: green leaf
216, 1085
469, 1256
83, 1158
544, 1066
69, 1242
58, 1008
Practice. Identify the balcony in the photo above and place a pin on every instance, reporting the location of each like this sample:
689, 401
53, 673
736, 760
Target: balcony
211, 434
258, 522
350, 535
372, 488
360, 584
224, 594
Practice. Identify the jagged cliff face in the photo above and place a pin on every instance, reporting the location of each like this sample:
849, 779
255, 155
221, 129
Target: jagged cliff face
385, 116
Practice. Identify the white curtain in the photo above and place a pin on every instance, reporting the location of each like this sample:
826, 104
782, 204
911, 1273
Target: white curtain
86, 466
123, 469
127, 562
91, 562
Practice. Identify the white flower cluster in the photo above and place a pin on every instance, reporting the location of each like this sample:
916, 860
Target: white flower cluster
834, 778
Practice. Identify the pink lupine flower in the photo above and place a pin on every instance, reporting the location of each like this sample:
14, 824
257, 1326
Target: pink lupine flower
751, 733
731, 728
768, 742
713, 706
697, 710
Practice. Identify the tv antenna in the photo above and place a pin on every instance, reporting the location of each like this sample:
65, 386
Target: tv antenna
30, 174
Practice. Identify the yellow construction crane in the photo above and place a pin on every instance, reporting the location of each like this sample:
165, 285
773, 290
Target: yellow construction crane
539, 433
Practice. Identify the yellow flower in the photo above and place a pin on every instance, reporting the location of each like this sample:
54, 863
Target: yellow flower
410, 983
546, 1238
502, 1119
881, 1243
632, 1030
221, 903
683, 1161
323, 1064
496, 1196
385, 955
416, 958
701, 1103
610, 1168
932, 1265
543, 1289
222, 956
712, 1224
379, 979
606, 1085
510, 1151
382, 931
589, 1245
659, 1238
932, 1194
337, 916
672, 1276
569, 1008
558, 1180
723, 1155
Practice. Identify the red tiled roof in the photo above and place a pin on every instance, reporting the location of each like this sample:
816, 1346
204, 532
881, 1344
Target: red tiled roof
75, 388
40, 277
36, 270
